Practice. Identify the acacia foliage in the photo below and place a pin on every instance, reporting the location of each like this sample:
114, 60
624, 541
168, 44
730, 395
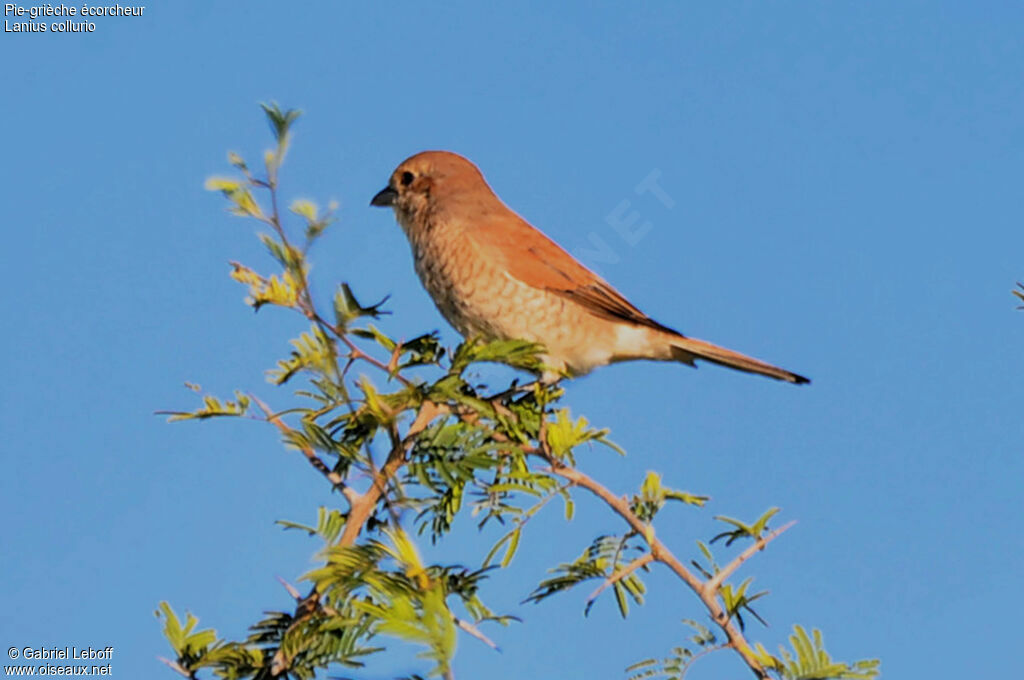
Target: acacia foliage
444, 446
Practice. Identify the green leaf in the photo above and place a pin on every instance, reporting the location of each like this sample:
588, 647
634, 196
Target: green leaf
329, 525
237, 192
316, 222
809, 660
564, 434
753, 531
280, 121
283, 291
213, 408
605, 557
188, 644
735, 601
653, 496
371, 332
515, 353
304, 208
313, 351
347, 308
678, 662
513, 545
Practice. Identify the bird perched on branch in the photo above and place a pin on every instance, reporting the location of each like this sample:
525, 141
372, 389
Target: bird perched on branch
493, 275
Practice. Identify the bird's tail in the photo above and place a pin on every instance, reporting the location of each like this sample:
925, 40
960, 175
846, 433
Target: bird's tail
687, 350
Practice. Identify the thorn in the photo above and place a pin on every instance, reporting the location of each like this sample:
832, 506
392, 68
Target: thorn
291, 589
175, 666
475, 632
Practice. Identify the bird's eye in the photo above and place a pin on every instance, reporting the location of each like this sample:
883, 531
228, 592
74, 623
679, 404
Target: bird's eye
406, 178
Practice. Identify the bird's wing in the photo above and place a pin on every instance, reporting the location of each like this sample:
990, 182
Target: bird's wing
533, 258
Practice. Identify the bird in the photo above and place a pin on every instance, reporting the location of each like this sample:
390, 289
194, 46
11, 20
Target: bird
494, 276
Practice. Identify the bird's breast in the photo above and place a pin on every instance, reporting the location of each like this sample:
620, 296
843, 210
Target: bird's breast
478, 296
467, 289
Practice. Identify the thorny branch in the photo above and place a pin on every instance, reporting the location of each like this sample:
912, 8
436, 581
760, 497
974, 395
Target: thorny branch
660, 552
362, 505
708, 592
713, 584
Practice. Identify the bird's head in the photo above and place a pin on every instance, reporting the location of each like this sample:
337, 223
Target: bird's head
422, 181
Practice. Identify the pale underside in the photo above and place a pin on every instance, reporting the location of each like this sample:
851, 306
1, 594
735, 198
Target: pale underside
479, 298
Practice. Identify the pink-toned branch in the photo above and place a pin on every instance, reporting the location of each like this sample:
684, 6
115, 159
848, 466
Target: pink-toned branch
660, 552
639, 562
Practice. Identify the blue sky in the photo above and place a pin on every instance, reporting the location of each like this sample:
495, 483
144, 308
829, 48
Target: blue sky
845, 182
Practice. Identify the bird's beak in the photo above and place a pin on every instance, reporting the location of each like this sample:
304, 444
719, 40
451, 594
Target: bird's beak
384, 198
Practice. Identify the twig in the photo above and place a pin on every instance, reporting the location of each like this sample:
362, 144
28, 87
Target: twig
176, 667
712, 585
355, 352
661, 553
363, 504
360, 510
704, 652
290, 588
333, 477
512, 391
475, 632
639, 562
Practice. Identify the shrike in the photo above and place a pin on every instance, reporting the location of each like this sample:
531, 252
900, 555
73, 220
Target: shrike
493, 275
